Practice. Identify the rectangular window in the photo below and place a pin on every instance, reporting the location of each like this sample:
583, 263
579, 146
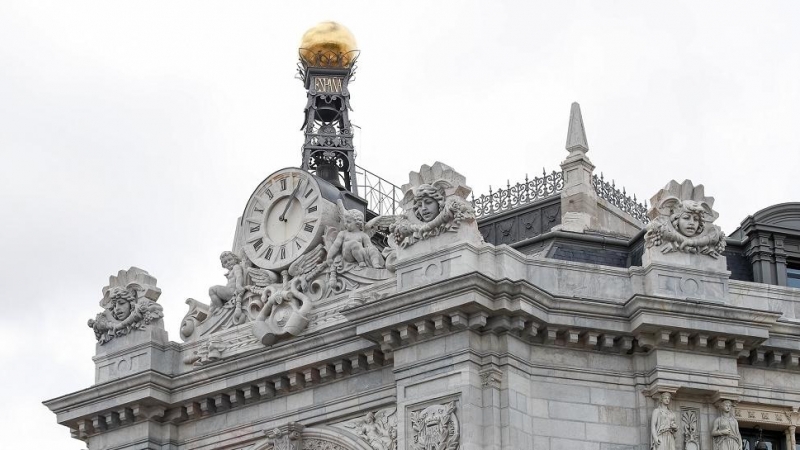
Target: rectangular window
793, 274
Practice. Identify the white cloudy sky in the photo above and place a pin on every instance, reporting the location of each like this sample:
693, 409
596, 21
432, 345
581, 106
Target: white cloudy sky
132, 133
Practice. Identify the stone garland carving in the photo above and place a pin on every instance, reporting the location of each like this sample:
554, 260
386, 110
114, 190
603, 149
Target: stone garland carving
209, 352
725, 432
691, 429
681, 221
435, 428
436, 203
663, 425
378, 429
129, 304
319, 444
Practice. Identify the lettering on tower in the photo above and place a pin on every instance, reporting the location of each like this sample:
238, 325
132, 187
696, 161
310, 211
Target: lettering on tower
328, 85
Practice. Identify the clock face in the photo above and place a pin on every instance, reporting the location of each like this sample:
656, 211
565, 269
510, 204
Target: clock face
284, 218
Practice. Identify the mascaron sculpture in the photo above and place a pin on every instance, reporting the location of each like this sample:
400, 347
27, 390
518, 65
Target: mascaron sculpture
682, 221
435, 203
129, 304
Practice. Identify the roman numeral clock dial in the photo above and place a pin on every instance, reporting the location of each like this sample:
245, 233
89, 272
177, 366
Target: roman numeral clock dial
285, 217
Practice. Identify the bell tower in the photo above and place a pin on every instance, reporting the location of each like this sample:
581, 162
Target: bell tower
327, 65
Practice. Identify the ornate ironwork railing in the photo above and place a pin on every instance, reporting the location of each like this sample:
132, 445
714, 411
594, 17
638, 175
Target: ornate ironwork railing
620, 199
383, 197
519, 194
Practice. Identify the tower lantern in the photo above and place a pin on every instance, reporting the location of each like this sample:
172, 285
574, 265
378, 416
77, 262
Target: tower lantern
327, 64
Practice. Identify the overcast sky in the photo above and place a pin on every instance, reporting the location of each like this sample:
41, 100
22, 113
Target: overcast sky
133, 133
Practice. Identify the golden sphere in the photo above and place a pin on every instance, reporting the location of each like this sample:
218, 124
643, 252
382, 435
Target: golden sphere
330, 39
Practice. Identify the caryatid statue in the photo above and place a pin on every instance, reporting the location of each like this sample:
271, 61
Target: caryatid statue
725, 432
663, 425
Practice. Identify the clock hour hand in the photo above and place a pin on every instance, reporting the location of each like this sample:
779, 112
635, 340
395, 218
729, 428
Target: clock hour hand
282, 218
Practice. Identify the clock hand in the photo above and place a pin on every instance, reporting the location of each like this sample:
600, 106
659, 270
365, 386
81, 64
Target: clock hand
282, 218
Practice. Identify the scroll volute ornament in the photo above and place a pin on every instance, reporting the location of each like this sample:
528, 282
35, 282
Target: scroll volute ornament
682, 221
286, 437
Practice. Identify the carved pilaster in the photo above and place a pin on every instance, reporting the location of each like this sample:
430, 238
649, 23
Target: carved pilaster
690, 426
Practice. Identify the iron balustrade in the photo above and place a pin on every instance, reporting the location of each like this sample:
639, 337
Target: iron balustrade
519, 194
620, 199
382, 196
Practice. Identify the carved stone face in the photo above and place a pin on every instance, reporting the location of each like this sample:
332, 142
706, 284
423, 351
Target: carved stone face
726, 406
350, 223
666, 398
428, 209
228, 262
122, 309
688, 223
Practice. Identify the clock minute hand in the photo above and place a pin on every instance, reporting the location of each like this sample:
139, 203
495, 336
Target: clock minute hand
282, 218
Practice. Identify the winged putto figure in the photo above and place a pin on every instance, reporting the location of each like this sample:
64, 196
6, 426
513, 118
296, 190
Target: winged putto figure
352, 244
378, 429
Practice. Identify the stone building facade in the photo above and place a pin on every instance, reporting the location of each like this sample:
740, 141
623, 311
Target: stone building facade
557, 314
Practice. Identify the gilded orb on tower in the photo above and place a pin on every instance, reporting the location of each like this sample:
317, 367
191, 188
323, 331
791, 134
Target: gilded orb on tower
328, 44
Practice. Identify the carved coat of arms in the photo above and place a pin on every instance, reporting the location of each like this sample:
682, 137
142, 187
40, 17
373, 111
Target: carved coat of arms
435, 428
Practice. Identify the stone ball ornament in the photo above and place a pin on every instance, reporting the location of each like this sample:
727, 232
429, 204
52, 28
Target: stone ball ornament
328, 44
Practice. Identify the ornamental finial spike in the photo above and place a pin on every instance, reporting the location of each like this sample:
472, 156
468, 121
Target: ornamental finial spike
576, 136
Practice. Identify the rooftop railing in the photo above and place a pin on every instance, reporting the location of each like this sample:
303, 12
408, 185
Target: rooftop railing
518, 194
383, 197
620, 199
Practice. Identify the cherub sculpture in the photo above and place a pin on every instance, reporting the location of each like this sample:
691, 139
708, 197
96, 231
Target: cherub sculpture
238, 298
352, 244
220, 295
682, 221
124, 312
378, 429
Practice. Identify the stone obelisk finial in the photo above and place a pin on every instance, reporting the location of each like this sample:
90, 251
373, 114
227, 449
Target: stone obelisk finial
576, 135
578, 198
